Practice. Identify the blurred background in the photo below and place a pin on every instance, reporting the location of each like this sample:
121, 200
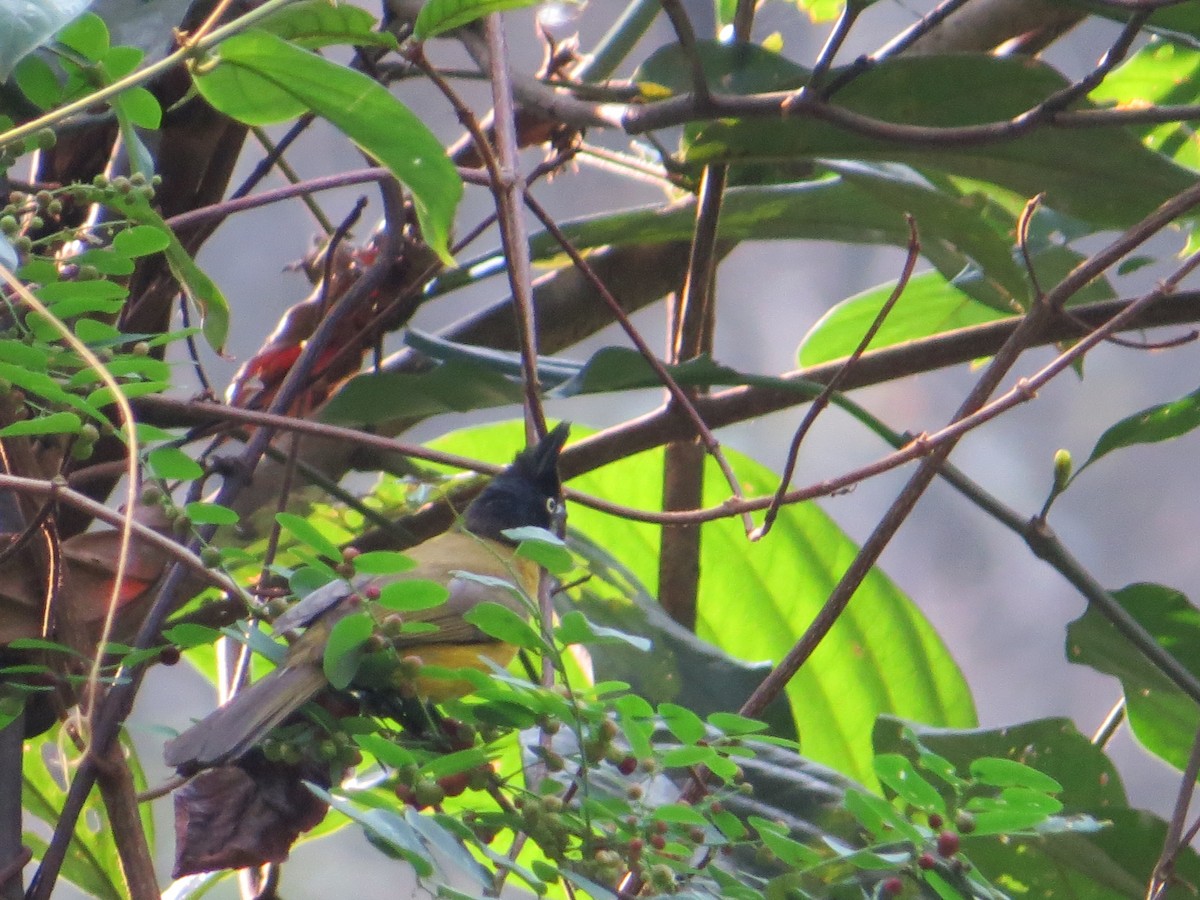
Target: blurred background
1001, 611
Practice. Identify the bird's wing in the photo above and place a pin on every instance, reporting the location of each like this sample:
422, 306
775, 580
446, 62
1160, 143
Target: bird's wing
458, 552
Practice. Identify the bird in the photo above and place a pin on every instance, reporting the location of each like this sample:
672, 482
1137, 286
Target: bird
526, 493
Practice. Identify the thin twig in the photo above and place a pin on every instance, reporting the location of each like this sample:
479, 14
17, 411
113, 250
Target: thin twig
1108, 728
1160, 879
509, 187
677, 395
687, 43
822, 400
825, 59
293, 177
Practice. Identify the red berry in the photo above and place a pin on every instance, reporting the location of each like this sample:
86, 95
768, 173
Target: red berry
935, 821
627, 765
926, 861
454, 784
894, 886
947, 843
657, 841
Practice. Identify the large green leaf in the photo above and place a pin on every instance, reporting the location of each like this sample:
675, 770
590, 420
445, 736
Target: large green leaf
480, 378
260, 79
1083, 173
1112, 863
756, 600
1158, 74
863, 204
680, 668
1163, 718
318, 23
92, 861
439, 16
930, 305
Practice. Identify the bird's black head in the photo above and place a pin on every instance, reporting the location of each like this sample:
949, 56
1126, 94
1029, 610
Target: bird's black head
528, 492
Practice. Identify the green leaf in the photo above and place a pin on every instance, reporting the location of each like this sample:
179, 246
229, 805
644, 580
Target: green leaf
173, 464
37, 81
898, 774
102, 397
140, 107
682, 722
412, 594
1016, 809
439, 16
187, 635
21, 354
317, 23
679, 814
543, 547
1163, 718
385, 829
576, 629
106, 261
308, 534
500, 622
92, 862
880, 818
201, 290
344, 648
383, 562
681, 757
1053, 747
450, 387
835, 208
1161, 73
54, 423
261, 79
87, 36
1150, 426
1000, 772
944, 91
31, 29
60, 295
141, 240
882, 656
211, 514
775, 838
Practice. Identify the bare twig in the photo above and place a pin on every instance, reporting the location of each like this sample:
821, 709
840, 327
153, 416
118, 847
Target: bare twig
822, 399
1160, 880
687, 43
509, 187
685, 405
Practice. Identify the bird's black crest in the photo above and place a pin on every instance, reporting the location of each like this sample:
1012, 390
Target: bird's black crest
519, 495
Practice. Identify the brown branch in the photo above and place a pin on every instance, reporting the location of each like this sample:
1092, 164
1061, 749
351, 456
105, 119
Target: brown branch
973, 411
682, 403
509, 187
822, 399
117, 790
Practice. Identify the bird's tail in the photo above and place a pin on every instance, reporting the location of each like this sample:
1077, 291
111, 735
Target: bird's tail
241, 723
